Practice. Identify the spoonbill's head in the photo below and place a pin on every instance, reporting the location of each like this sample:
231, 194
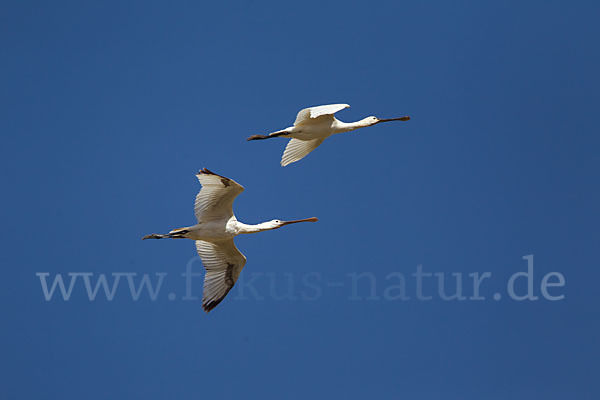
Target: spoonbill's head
372, 120
277, 223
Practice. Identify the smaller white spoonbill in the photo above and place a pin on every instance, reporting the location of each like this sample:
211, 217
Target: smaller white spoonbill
214, 233
312, 126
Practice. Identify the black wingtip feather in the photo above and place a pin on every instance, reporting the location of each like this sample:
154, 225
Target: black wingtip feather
213, 303
206, 171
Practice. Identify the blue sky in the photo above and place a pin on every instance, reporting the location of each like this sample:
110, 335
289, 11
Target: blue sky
108, 109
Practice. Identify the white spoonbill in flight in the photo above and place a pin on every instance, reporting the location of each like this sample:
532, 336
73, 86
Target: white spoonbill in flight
214, 233
312, 126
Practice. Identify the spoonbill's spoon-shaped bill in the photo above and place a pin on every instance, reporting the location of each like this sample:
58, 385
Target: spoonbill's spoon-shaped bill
214, 233
312, 126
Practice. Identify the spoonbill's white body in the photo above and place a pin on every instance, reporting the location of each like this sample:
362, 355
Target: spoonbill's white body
214, 233
312, 126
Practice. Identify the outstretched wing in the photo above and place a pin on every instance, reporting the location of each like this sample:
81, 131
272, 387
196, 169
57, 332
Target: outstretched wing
305, 115
223, 263
215, 199
297, 149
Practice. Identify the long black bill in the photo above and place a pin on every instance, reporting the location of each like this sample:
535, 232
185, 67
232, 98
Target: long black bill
313, 219
406, 118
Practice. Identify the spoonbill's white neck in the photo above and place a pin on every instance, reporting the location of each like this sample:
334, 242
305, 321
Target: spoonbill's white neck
269, 225
363, 123
350, 126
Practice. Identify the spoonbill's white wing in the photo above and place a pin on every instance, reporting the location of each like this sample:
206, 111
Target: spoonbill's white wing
297, 149
305, 115
223, 263
215, 199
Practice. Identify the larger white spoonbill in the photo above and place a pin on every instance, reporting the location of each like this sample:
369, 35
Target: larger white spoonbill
312, 126
214, 233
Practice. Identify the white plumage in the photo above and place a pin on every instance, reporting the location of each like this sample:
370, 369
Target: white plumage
214, 233
223, 263
215, 200
312, 126
305, 115
297, 149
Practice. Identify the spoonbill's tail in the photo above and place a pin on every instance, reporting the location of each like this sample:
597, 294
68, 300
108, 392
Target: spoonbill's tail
174, 234
270, 135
